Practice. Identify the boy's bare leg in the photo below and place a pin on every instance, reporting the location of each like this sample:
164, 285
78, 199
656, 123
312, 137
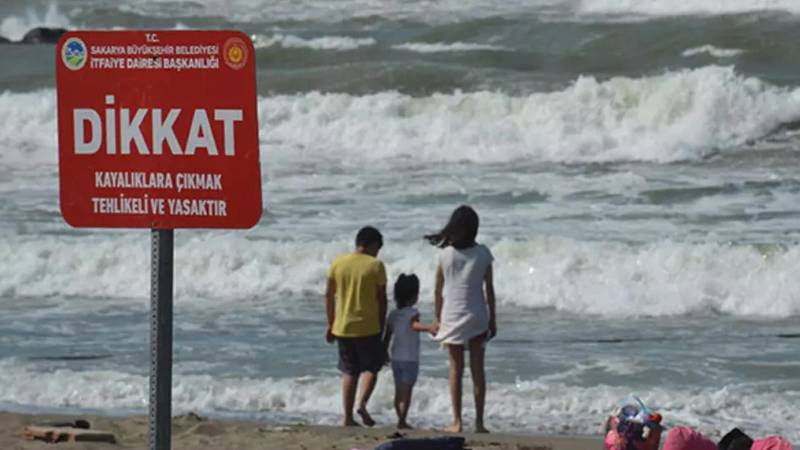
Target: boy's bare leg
349, 386
456, 373
368, 381
476, 363
402, 402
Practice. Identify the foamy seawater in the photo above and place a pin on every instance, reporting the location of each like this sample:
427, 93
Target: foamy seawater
635, 165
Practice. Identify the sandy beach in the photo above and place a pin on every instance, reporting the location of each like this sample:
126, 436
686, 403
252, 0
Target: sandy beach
635, 166
194, 432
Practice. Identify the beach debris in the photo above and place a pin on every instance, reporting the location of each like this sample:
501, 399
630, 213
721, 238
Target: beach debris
55, 434
737, 439
734, 439
79, 423
290, 428
633, 426
772, 443
436, 443
685, 438
193, 416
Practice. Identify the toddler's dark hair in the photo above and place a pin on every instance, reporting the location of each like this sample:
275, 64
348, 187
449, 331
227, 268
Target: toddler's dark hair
406, 289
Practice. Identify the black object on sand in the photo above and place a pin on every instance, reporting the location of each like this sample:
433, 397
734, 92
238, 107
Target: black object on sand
438, 443
736, 439
80, 423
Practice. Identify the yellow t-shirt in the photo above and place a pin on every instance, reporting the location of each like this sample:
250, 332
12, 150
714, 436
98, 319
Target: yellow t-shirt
358, 277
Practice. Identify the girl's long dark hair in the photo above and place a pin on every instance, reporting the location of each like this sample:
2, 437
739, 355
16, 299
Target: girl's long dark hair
460, 231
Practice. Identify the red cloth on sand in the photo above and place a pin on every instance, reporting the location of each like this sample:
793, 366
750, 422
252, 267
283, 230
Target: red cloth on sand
771, 443
685, 438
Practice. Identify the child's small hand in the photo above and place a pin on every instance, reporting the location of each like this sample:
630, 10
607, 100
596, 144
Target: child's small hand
329, 337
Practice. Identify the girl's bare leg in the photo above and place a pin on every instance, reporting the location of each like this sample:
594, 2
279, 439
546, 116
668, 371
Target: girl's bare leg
476, 363
456, 373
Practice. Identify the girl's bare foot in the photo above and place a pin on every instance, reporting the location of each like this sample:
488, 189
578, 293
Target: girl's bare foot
454, 428
365, 417
481, 429
404, 426
351, 423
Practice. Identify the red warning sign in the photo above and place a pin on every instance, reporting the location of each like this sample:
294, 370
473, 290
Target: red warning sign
158, 129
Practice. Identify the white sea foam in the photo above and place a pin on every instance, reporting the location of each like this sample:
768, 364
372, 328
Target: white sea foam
713, 51
442, 47
605, 279
28, 129
454, 10
340, 43
15, 27
684, 7
339, 10
543, 407
683, 115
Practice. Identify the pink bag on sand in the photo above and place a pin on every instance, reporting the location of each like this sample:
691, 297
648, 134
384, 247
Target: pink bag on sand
771, 443
685, 438
612, 440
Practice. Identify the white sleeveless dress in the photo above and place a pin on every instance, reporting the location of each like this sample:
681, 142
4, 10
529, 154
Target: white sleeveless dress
465, 313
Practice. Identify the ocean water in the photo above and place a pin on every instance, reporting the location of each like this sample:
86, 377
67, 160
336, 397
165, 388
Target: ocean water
635, 164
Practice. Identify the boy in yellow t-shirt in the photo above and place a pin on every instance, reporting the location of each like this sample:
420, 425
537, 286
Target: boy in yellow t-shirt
355, 303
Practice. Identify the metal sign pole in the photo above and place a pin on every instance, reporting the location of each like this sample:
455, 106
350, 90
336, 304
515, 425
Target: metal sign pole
161, 258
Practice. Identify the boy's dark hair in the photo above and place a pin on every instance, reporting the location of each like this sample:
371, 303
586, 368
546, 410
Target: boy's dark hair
368, 236
406, 289
460, 231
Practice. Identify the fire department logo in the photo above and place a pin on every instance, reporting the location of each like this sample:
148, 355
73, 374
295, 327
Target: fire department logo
235, 53
74, 54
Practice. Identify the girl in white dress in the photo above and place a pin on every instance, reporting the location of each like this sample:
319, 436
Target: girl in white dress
465, 306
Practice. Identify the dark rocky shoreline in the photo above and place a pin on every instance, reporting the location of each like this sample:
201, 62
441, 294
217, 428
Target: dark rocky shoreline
38, 35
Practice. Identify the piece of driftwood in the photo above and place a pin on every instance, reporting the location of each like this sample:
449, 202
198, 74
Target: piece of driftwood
67, 434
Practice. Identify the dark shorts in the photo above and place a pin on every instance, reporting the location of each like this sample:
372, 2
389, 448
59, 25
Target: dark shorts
405, 372
360, 354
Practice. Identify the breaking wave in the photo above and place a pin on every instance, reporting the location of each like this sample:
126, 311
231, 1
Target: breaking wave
684, 7
713, 51
603, 279
340, 43
443, 47
14, 27
683, 115
536, 406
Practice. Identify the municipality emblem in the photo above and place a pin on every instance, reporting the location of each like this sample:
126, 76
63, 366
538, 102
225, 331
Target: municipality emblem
235, 53
74, 54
